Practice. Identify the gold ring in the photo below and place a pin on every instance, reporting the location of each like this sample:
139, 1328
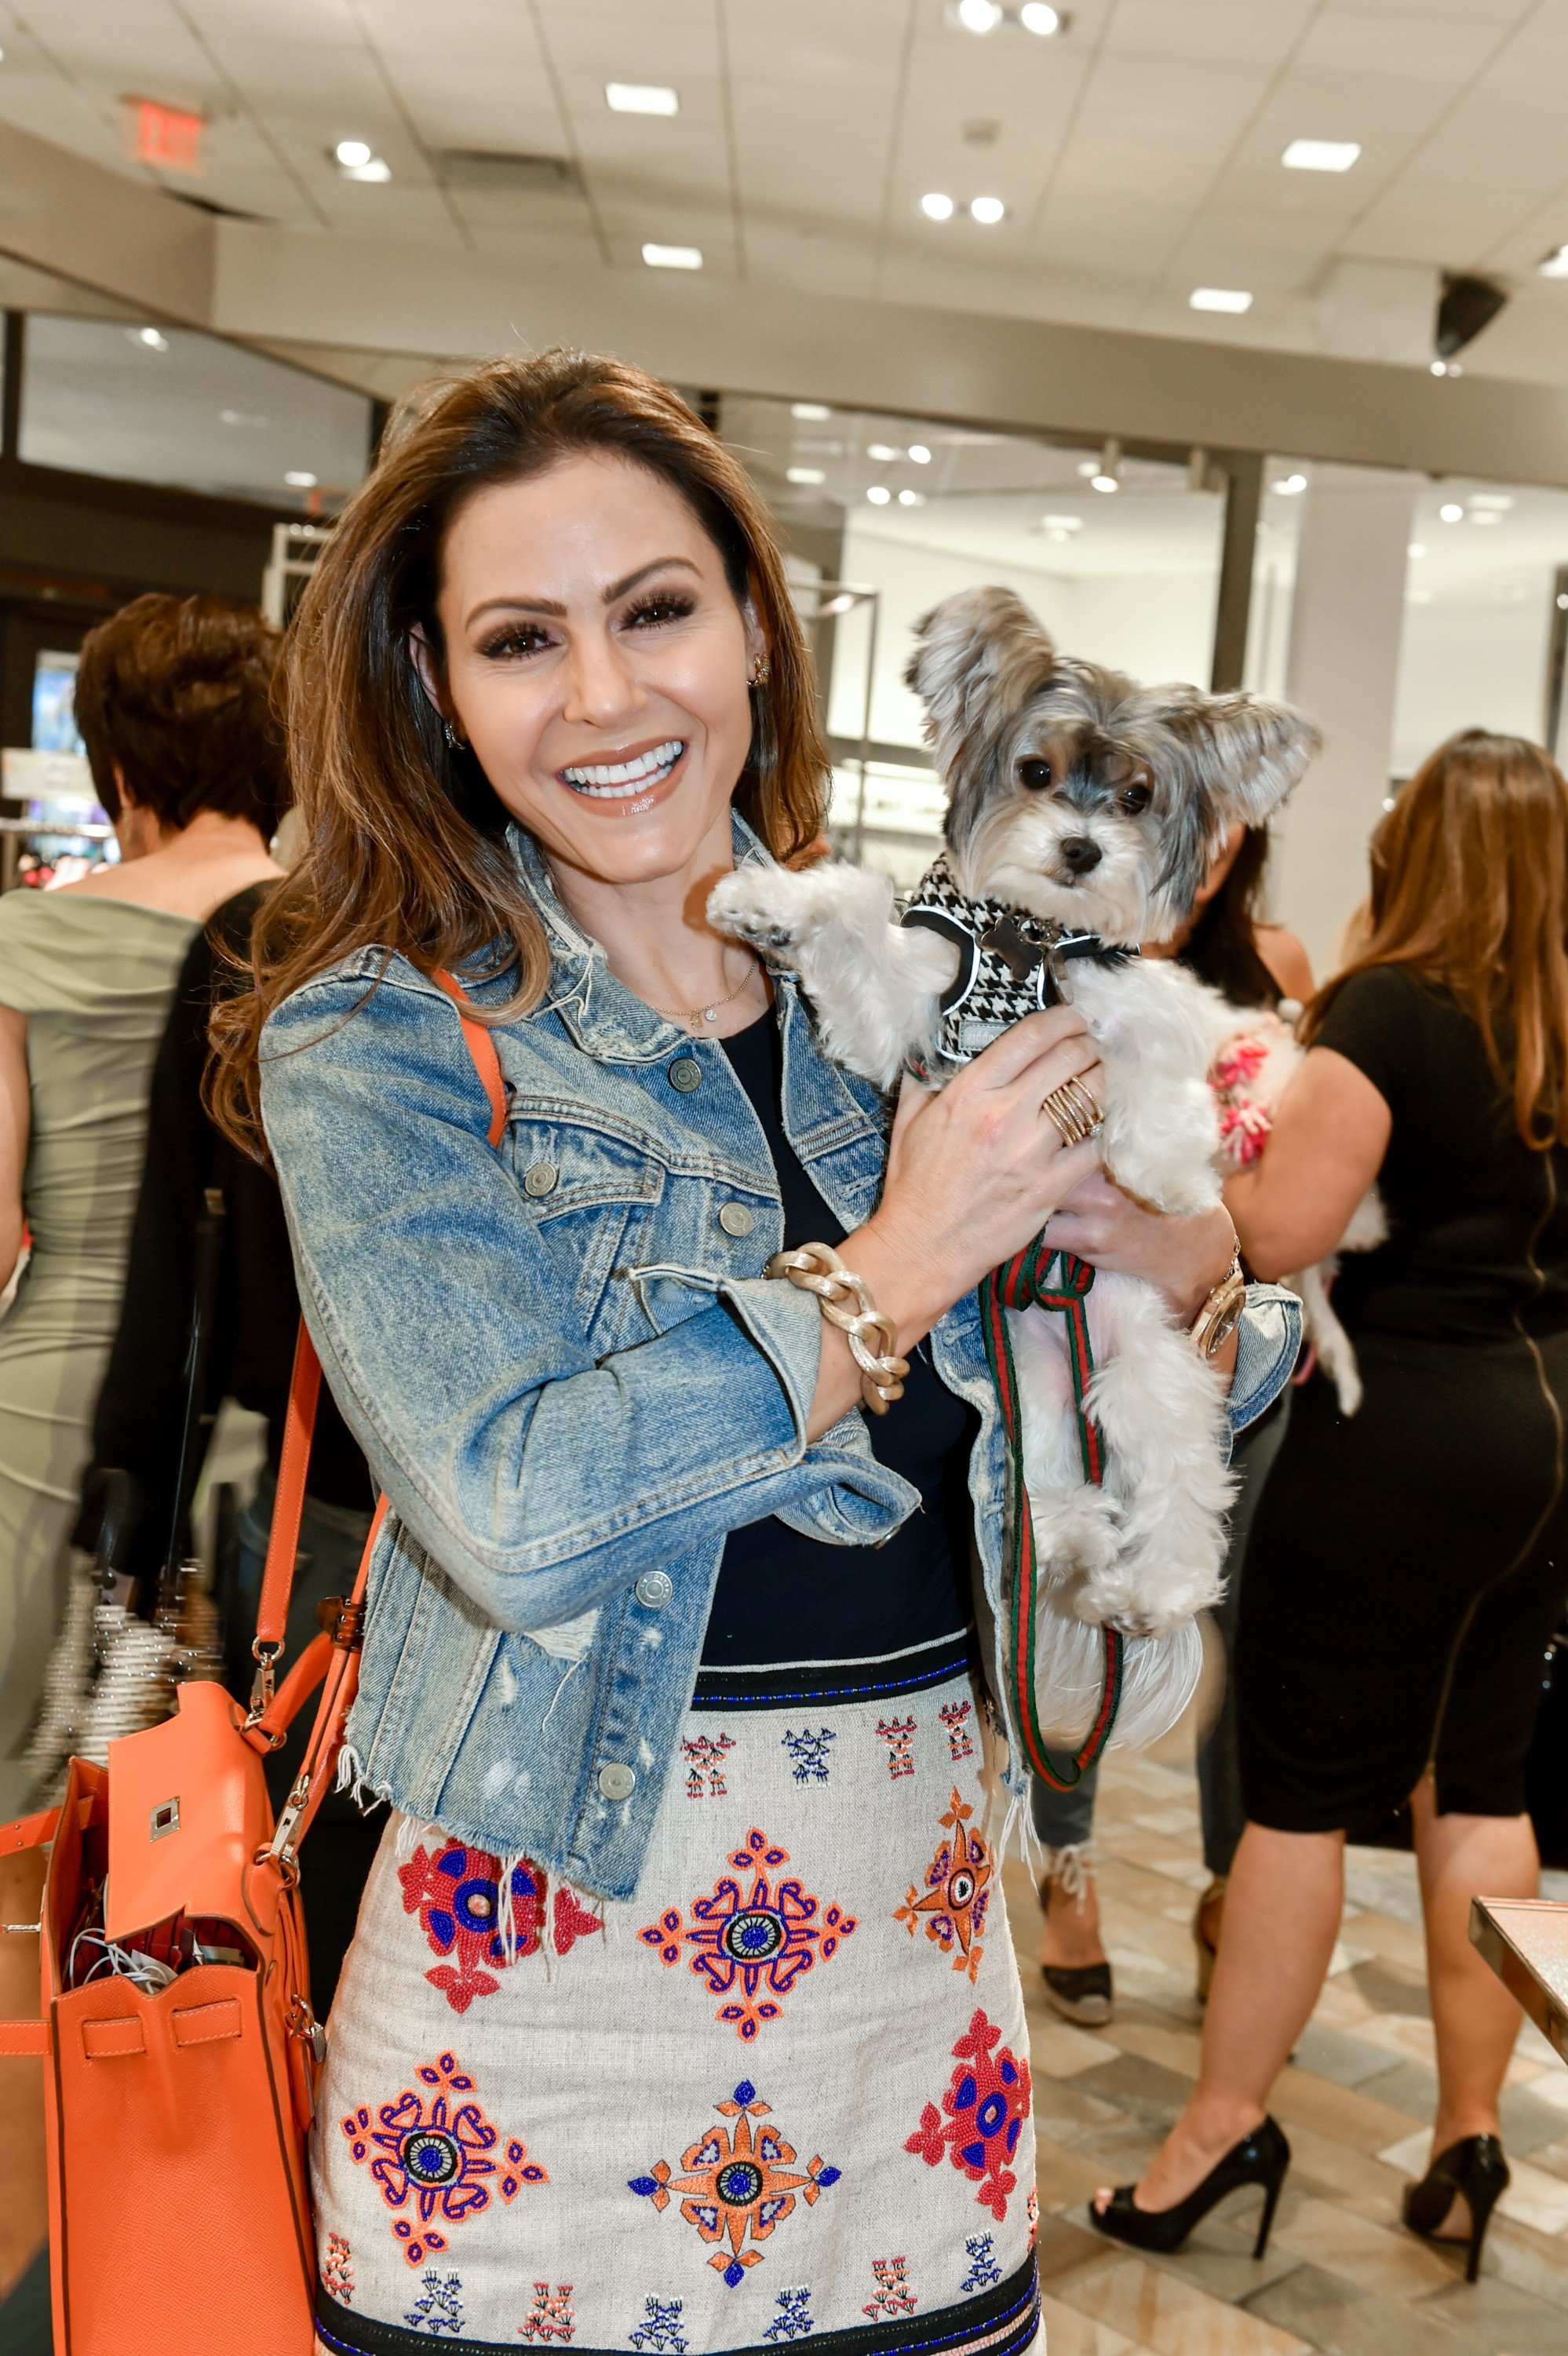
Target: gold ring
1082, 1089
1067, 1115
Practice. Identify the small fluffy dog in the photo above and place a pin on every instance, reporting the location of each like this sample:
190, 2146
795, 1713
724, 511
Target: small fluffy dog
1083, 812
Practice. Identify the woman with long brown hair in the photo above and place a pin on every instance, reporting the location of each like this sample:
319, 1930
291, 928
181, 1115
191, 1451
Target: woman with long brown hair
1407, 1566
682, 2013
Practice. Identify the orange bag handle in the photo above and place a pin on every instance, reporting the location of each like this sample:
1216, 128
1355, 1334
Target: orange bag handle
304, 1391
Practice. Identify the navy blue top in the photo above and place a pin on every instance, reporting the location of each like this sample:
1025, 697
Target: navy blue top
782, 1596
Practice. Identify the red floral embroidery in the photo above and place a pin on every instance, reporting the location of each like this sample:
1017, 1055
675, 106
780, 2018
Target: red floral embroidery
764, 1932
434, 2149
456, 1892
986, 2106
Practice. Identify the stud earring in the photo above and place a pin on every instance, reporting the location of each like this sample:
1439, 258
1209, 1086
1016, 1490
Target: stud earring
761, 675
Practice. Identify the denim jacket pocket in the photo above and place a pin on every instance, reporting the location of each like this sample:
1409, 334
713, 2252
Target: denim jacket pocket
589, 1191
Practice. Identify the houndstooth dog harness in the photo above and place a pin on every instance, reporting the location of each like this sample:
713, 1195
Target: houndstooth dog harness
1008, 965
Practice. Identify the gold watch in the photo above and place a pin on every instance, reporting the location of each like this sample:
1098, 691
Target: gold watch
1221, 1313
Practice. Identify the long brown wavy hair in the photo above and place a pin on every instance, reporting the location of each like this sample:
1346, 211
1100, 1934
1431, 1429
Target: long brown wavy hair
1470, 892
404, 841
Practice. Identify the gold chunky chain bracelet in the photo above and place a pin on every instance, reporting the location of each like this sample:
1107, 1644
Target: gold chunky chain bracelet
817, 1268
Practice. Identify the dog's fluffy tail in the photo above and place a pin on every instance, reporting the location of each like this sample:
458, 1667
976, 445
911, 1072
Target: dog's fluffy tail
1159, 1678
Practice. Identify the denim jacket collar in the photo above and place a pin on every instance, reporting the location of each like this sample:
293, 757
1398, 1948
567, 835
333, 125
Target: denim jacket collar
602, 1017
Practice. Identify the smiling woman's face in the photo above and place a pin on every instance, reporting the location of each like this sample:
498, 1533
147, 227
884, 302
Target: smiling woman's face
597, 662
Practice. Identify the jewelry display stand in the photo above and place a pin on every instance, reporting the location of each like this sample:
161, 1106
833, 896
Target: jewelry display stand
1526, 1943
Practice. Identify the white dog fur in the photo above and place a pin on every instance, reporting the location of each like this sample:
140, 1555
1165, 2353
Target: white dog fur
1092, 804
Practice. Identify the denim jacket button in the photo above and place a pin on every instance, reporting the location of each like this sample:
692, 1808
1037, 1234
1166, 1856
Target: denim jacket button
540, 1178
654, 1589
686, 1074
736, 1219
617, 1782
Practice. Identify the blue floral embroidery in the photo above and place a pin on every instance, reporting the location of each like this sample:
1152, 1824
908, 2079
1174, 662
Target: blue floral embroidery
660, 2327
441, 2309
982, 2270
793, 2319
808, 1753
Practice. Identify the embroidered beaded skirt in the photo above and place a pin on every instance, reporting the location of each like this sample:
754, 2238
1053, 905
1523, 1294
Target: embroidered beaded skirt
782, 2094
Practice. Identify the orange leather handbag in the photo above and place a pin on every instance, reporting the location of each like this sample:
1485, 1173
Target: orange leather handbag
180, 2055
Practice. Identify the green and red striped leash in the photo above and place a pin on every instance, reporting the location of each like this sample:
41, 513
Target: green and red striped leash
1041, 1278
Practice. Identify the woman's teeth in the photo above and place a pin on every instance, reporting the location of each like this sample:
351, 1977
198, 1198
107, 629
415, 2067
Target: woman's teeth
619, 779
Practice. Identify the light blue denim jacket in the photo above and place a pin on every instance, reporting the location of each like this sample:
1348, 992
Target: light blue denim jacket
572, 1381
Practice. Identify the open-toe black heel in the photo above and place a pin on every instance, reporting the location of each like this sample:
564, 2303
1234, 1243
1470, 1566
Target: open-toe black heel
1260, 2158
1475, 2168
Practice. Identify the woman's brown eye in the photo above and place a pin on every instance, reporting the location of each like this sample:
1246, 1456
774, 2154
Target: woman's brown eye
1035, 774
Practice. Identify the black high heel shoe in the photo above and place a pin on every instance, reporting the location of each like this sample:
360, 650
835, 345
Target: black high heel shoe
1260, 2158
1474, 2167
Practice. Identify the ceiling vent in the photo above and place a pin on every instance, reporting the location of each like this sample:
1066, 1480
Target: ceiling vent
490, 173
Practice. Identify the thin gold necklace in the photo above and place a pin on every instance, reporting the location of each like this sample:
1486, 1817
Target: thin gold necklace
694, 1017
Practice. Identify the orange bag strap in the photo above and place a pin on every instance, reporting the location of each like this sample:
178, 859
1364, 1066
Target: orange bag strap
304, 1392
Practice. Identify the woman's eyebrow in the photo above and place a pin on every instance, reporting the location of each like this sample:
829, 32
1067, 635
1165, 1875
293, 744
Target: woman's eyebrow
553, 607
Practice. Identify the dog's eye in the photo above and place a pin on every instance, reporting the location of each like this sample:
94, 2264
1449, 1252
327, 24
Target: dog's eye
1035, 774
1135, 799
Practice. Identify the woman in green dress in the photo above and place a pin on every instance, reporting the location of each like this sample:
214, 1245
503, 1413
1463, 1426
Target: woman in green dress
173, 702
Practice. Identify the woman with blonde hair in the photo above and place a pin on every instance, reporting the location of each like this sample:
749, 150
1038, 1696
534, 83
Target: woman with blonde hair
1407, 1567
682, 2013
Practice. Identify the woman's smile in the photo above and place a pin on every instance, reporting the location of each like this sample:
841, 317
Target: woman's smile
627, 782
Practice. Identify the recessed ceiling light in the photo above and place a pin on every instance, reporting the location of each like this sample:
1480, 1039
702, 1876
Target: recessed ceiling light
979, 16
1451, 511
810, 413
1219, 298
1103, 483
987, 211
1556, 264
1320, 155
1289, 486
672, 257
375, 171
353, 153
148, 338
879, 495
937, 206
911, 498
804, 474
1061, 523
883, 452
1501, 500
1035, 17
298, 480
919, 454
642, 98
1416, 547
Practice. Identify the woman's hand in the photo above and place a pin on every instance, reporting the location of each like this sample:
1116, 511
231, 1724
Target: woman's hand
1183, 1258
975, 1169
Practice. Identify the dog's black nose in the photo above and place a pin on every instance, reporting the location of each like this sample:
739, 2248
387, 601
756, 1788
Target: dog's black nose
1079, 853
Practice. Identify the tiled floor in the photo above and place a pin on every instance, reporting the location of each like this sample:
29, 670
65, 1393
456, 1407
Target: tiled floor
1341, 2275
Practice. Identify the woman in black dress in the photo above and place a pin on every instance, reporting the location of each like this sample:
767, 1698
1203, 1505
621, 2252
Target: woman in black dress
1408, 1566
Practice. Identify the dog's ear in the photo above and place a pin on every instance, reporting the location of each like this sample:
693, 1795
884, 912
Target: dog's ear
1246, 752
978, 658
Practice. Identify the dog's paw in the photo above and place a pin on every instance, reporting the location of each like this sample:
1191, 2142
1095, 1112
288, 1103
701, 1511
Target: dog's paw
763, 907
1148, 1593
1077, 1542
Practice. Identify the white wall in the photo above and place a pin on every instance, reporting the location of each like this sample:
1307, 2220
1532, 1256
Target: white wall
1471, 665
1156, 625
1345, 622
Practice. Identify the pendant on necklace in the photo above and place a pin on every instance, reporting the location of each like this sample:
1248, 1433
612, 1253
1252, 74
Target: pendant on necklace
710, 1014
